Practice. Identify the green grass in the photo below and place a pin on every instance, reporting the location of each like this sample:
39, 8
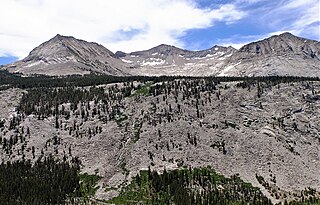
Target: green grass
132, 194
144, 90
88, 184
145, 188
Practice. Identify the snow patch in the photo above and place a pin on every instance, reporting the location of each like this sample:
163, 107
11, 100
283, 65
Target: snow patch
34, 64
154, 54
220, 53
228, 68
71, 58
216, 48
226, 56
153, 62
199, 58
126, 61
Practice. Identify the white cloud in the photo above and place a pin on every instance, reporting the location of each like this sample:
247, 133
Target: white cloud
301, 17
27, 23
243, 40
309, 21
248, 2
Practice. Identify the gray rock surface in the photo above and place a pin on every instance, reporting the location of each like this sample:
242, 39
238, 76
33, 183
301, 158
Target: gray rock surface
64, 55
170, 60
284, 55
233, 129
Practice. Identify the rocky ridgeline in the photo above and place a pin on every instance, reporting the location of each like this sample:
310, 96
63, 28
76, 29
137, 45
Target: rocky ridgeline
66, 55
282, 55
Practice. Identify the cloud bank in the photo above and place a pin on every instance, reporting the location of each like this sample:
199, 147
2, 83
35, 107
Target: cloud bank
126, 25
131, 25
300, 17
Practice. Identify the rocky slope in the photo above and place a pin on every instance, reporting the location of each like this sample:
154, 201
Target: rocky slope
251, 129
282, 55
63, 55
170, 60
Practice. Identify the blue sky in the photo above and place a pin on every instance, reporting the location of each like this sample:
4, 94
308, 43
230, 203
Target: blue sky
7, 59
131, 25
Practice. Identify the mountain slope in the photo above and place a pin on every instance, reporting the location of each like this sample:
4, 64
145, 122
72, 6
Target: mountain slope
283, 54
266, 132
64, 55
170, 60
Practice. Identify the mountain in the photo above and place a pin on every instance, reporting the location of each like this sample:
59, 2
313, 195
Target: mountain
64, 55
283, 55
170, 60
99, 139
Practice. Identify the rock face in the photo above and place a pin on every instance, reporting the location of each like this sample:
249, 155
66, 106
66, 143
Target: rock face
64, 55
283, 54
284, 44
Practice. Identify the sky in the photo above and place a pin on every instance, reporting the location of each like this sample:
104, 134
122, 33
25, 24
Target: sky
132, 25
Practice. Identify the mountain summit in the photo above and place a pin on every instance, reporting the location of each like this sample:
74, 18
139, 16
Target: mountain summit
66, 55
285, 43
283, 54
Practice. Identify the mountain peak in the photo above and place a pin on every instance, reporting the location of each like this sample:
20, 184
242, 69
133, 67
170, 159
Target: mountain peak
165, 47
65, 55
286, 34
217, 47
70, 55
285, 43
60, 37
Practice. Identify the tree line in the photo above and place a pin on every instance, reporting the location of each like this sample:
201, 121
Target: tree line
8, 80
193, 186
47, 181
